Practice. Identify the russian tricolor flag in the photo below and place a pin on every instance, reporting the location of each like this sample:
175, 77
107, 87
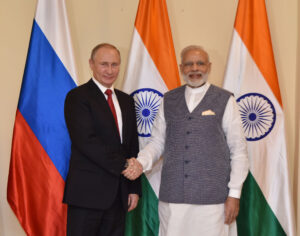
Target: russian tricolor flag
41, 145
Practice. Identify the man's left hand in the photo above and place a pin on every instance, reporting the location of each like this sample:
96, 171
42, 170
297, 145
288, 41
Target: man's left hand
232, 207
133, 200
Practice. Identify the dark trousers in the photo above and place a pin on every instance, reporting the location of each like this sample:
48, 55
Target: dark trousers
94, 222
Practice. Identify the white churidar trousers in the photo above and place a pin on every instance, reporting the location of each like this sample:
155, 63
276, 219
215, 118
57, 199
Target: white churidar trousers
193, 220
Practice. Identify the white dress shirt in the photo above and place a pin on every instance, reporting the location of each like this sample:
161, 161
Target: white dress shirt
116, 104
232, 128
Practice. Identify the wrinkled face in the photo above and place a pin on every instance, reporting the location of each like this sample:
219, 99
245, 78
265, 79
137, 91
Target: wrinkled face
195, 67
105, 66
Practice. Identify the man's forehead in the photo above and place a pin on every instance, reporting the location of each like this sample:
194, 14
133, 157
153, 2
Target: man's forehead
195, 52
106, 51
107, 54
195, 55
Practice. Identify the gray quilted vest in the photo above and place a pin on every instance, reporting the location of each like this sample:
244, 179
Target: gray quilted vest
196, 159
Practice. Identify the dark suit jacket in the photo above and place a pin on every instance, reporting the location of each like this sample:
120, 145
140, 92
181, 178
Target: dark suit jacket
97, 155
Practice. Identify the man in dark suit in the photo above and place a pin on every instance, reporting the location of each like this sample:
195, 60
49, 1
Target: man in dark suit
102, 126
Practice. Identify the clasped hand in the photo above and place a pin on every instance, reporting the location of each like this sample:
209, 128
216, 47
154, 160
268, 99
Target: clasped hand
134, 169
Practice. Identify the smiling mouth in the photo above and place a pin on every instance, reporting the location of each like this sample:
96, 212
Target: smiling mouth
195, 75
109, 77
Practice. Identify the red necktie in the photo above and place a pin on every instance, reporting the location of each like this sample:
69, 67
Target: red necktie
108, 92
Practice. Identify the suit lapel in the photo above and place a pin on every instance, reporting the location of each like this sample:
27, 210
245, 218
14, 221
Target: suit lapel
123, 107
101, 100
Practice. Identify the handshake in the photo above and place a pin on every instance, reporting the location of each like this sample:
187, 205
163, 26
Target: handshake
134, 169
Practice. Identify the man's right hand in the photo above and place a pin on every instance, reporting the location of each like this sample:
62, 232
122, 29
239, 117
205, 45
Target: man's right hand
134, 169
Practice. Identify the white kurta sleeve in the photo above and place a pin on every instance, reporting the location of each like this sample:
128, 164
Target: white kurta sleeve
155, 147
236, 141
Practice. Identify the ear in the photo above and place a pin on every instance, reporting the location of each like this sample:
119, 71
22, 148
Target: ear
181, 68
91, 62
209, 67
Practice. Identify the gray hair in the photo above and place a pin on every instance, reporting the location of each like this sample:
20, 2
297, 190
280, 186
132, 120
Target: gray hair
192, 48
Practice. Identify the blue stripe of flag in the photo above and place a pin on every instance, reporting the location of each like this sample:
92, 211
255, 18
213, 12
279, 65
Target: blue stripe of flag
45, 85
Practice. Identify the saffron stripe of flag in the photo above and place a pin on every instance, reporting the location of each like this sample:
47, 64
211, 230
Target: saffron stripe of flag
151, 71
266, 207
41, 145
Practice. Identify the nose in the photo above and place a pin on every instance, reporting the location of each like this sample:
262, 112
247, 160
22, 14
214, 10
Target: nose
109, 69
195, 67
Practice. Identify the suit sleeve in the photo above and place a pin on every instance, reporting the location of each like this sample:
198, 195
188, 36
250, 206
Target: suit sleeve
80, 124
135, 186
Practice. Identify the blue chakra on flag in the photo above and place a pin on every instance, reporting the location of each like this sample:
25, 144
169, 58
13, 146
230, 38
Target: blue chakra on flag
147, 102
258, 115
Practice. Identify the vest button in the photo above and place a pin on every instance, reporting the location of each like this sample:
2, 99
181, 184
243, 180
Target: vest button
186, 147
188, 132
186, 162
189, 118
186, 176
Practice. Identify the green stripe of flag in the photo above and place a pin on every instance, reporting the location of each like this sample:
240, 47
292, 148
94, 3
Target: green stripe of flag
143, 221
256, 218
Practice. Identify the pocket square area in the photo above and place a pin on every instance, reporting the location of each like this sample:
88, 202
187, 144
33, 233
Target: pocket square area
208, 113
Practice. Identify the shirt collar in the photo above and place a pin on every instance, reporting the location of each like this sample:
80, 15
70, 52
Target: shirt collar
197, 90
101, 87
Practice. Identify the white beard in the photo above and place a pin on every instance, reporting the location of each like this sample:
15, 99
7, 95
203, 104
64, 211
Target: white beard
195, 83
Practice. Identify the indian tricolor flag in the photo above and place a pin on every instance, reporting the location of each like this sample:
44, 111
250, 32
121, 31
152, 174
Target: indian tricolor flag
151, 71
266, 206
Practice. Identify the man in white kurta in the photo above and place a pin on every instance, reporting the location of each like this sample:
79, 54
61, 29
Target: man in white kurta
182, 218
